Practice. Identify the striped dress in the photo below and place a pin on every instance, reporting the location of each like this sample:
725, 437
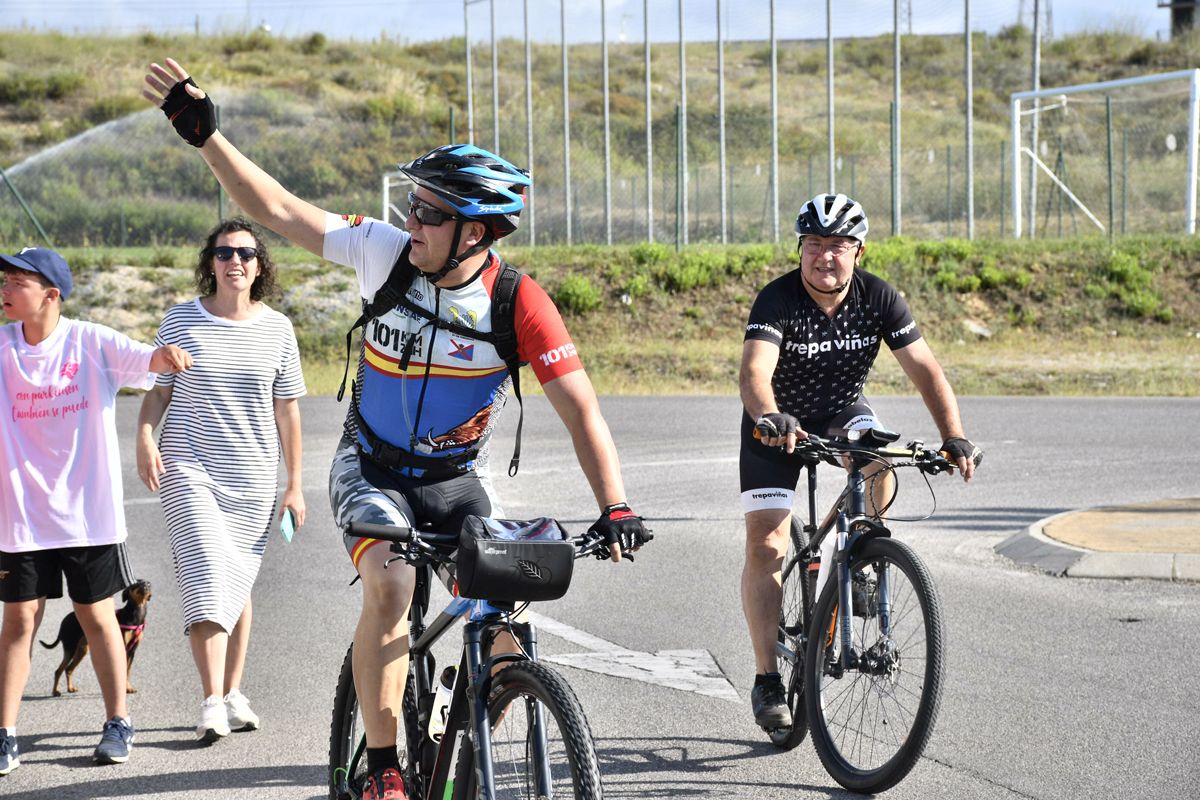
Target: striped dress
220, 450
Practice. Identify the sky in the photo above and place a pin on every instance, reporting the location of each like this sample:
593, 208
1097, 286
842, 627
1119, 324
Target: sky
418, 20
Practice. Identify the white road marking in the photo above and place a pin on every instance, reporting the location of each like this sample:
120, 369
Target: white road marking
685, 670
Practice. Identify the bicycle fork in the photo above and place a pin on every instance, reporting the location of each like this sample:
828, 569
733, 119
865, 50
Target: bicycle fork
469, 705
851, 530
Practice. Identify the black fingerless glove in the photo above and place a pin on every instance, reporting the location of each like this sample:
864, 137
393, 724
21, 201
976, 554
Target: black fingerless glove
619, 525
958, 447
777, 424
194, 120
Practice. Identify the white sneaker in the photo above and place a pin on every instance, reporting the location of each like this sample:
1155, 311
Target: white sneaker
237, 711
214, 724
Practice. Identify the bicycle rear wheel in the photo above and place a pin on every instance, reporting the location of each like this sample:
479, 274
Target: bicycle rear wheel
872, 715
789, 649
570, 768
348, 740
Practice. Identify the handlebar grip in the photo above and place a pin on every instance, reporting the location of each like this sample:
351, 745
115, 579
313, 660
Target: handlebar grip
946, 454
374, 530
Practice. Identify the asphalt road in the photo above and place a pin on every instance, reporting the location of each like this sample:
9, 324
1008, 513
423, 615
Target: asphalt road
1057, 688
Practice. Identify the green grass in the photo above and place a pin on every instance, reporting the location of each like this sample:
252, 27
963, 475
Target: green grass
1013, 318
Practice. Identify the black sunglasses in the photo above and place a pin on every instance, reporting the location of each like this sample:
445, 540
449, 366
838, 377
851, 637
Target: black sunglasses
427, 214
224, 253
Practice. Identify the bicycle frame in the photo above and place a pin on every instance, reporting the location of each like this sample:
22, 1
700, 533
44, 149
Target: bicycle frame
849, 519
468, 705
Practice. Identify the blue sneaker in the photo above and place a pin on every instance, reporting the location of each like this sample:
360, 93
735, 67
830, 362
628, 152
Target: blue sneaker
8, 752
115, 742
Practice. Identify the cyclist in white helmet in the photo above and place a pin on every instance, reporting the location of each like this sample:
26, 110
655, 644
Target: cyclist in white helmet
810, 341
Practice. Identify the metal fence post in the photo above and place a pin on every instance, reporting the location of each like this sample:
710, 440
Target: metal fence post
562, 5
721, 124
529, 205
1111, 183
683, 138
896, 218
470, 83
970, 112
607, 141
775, 132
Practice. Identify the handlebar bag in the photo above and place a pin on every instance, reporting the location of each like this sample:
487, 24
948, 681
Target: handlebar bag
510, 560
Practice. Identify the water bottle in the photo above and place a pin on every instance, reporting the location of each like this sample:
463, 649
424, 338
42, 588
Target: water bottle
441, 704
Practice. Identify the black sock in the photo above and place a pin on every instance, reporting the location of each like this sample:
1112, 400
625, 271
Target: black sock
381, 758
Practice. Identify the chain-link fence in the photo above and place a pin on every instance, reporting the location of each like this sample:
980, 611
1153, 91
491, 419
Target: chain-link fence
131, 182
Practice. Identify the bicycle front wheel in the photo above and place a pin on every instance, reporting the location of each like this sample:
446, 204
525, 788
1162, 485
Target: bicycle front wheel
348, 739
561, 763
789, 648
872, 710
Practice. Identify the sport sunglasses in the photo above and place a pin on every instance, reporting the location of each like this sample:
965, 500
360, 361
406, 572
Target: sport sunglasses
427, 214
224, 253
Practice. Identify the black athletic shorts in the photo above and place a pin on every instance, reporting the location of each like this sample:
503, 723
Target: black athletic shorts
769, 474
93, 573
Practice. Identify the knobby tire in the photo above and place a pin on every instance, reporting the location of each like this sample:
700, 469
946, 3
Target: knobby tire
346, 736
519, 683
860, 725
791, 625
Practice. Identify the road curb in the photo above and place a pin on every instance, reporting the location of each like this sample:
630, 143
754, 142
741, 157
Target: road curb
1034, 548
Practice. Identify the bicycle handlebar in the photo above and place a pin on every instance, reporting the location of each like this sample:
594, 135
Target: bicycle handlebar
428, 541
929, 461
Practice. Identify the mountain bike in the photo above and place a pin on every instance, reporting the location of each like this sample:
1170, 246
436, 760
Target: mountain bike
513, 727
860, 631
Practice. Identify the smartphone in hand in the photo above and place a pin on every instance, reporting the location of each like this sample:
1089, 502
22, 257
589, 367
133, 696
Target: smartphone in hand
287, 525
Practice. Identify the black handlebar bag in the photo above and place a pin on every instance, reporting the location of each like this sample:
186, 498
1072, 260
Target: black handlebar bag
510, 560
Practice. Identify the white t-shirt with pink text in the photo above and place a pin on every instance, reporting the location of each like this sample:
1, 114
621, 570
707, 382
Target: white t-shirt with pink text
60, 471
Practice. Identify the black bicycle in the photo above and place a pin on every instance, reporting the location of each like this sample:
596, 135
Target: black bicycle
860, 633
513, 727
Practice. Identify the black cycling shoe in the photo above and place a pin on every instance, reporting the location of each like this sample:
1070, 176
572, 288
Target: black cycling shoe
769, 701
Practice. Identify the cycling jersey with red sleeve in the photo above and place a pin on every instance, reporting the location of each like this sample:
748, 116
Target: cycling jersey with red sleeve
824, 361
445, 399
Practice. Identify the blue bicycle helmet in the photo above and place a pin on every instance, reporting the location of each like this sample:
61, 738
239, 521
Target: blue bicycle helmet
477, 184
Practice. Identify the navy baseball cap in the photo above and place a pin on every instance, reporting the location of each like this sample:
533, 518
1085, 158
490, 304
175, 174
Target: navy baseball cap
46, 263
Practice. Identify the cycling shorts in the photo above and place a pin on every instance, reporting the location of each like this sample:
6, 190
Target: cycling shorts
363, 491
769, 474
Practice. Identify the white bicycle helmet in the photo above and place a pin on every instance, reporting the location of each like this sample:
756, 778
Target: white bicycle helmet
832, 215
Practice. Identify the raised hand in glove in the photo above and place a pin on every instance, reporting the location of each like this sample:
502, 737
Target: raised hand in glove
190, 110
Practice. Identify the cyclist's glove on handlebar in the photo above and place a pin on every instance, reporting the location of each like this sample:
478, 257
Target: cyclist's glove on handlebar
958, 447
776, 424
194, 120
619, 525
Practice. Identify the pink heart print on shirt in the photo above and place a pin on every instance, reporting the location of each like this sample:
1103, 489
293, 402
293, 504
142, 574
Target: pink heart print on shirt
70, 369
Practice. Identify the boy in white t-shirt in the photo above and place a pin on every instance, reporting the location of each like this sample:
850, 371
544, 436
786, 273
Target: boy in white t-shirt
61, 503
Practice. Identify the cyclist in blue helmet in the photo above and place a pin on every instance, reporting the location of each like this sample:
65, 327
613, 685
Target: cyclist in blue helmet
430, 380
478, 185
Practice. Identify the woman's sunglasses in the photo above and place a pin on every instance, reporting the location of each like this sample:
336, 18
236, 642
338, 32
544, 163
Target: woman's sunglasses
425, 213
225, 253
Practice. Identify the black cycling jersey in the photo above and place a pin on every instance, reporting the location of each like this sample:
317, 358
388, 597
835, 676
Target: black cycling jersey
824, 361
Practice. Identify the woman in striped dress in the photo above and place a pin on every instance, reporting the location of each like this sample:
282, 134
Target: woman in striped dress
215, 465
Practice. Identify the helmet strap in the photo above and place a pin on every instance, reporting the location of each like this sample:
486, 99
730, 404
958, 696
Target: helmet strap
456, 261
834, 291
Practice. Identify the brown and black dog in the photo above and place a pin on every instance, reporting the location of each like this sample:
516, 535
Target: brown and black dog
132, 619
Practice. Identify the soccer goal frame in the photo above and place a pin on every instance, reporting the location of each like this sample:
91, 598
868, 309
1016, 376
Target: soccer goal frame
1018, 149
400, 184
